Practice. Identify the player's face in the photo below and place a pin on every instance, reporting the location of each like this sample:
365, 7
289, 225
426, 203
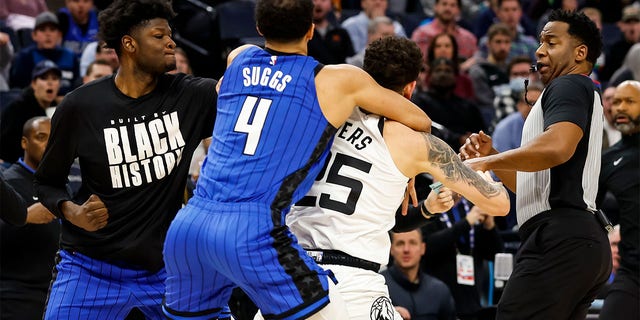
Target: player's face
557, 51
626, 108
155, 50
407, 248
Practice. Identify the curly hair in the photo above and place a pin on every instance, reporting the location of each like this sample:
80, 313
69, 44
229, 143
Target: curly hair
284, 20
393, 62
122, 16
582, 29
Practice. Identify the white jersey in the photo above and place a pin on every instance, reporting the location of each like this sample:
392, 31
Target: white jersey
352, 204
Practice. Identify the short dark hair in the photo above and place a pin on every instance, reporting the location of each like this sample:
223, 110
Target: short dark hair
518, 60
498, 28
393, 62
583, 29
29, 125
284, 20
99, 62
499, 4
457, 1
122, 16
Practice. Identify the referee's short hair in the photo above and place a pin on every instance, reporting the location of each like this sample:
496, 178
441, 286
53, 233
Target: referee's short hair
581, 28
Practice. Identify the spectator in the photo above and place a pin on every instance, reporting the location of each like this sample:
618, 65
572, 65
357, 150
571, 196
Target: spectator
466, 235
98, 51
445, 46
630, 69
34, 101
487, 16
28, 254
409, 287
509, 12
21, 14
489, 76
446, 14
620, 174
357, 25
611, 135
458, 115
630, 27
47, 37
379, 27
506, 98
96, 70
182, 62
331, 43
6, 54
78, 24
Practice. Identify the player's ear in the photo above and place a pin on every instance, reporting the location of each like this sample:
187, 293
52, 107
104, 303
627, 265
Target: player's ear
128, 44
408, 89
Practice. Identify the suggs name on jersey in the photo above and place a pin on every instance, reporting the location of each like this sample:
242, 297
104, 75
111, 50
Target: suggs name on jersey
262, 76
354, 136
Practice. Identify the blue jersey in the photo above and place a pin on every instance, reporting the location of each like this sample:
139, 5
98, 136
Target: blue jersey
270, 138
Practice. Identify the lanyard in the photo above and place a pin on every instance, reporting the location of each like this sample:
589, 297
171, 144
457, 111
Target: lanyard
457, 216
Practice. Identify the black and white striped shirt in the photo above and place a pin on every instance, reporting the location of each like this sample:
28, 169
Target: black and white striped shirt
573, 184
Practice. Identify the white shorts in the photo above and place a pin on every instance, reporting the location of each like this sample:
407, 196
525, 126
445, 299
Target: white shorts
364, 292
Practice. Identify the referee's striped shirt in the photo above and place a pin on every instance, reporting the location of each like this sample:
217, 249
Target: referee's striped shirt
573, 184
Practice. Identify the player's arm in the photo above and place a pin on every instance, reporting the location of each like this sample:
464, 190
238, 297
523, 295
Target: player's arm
52, 173
445, 166
345, 86
13, 210
553, 147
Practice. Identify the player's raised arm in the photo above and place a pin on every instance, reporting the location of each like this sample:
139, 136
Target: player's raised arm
348, 86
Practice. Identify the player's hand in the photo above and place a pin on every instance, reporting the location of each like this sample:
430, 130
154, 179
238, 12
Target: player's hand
39, 214
440, 202
404, 313
409, 193
91, 215
477, 145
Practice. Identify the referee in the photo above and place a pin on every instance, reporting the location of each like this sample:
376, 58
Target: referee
564, 258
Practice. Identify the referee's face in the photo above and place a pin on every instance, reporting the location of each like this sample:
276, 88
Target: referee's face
559, 52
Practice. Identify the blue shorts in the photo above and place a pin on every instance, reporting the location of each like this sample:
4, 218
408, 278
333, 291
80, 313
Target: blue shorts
213, 247
86, 288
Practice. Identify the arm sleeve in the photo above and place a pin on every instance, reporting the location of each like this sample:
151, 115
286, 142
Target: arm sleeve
568, 99
13, 209
414, 219
52, 173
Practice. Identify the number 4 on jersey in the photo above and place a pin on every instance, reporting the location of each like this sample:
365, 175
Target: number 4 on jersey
252, 127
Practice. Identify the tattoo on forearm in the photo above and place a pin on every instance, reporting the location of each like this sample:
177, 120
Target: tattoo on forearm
441, 156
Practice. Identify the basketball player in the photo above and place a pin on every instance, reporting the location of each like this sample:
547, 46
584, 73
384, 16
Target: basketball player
134, 134
278, 110
344, 220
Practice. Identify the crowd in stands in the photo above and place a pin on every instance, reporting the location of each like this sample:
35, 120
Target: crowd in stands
477, 56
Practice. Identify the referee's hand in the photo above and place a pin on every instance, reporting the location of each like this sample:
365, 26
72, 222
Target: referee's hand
91, 215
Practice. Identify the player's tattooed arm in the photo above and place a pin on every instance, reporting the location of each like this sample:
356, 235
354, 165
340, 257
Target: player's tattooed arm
442, 157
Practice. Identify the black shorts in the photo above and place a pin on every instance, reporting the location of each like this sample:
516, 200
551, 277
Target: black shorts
563, 261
